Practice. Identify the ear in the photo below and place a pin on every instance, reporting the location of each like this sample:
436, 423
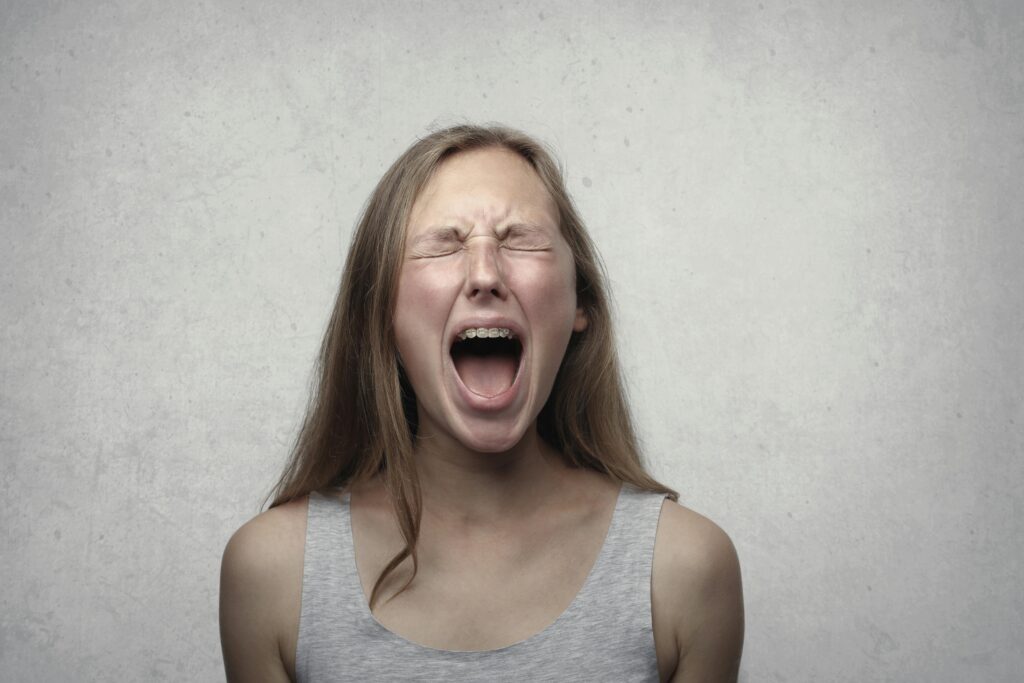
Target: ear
580, 322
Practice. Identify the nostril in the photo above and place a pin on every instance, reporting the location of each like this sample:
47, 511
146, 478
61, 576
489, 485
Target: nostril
497, 291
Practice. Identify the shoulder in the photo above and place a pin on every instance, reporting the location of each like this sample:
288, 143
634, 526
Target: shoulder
697, 587
262, 543
261, 593
698, 551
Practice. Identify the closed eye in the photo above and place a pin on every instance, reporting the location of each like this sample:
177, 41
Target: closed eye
436, 243
526, 238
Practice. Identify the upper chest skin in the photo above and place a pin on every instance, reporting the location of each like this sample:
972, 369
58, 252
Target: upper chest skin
465, 579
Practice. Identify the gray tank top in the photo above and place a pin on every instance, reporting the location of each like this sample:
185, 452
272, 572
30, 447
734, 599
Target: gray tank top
604, 635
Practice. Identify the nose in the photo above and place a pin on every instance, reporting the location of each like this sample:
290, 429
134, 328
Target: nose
484, 277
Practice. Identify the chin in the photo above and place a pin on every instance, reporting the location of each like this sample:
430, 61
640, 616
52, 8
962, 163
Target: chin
490, 440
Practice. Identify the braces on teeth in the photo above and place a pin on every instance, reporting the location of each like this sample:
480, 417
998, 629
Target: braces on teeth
486, 333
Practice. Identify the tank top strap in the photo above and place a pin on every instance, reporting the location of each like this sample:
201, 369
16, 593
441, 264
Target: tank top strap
331, 591
619, 587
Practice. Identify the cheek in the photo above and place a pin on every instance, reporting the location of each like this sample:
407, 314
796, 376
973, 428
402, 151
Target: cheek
421, 288
411, 296
546, 290
421, 307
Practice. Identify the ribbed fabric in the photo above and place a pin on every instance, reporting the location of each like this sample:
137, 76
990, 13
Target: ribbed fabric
604, 635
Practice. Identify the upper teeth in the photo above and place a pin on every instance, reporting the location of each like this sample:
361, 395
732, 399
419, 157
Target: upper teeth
486, 333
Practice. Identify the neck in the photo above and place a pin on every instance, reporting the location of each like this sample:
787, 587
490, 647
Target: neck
470, 489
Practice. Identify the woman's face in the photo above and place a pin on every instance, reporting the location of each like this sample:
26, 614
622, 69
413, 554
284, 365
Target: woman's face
483, 251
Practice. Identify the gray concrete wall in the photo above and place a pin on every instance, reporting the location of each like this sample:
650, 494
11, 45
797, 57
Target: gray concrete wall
813, 219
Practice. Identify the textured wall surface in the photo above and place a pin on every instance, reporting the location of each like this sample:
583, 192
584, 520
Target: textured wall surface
813, 219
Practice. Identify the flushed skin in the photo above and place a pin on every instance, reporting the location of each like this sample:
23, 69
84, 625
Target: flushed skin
483, 248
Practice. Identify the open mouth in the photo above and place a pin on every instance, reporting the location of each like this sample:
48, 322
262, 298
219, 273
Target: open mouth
487, 360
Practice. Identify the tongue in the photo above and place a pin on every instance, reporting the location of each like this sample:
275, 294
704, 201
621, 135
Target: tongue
486, 375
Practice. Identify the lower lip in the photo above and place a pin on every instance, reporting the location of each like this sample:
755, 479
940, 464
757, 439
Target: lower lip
489, 404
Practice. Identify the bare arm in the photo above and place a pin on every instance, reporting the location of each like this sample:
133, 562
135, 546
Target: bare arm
705, 596
260, 595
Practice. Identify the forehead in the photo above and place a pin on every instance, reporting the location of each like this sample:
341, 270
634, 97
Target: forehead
483, 188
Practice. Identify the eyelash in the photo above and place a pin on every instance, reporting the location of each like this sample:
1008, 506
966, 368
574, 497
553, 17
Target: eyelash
461, 246
505, 246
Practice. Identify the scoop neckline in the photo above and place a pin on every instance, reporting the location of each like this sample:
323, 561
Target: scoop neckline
364, 606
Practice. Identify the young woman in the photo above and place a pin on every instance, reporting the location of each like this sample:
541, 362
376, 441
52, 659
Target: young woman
466, 500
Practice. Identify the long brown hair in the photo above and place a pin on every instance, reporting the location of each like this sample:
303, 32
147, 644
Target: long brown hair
361, 419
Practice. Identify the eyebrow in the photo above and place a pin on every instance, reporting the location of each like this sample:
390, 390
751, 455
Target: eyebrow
444, 232
523, 227
441, 232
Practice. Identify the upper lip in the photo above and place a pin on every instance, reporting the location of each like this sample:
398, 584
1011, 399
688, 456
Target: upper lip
485, 321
